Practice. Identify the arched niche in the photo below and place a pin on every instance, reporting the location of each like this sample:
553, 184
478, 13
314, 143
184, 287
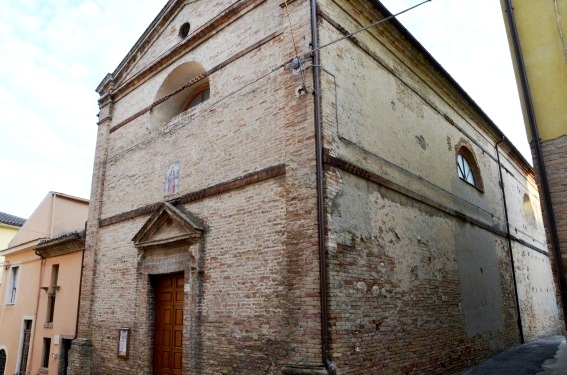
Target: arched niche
529, 213
191, 96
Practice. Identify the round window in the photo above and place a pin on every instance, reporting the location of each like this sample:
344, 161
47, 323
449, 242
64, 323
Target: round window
184, 30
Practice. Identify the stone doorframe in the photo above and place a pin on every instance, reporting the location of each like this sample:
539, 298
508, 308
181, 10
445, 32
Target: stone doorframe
171, 241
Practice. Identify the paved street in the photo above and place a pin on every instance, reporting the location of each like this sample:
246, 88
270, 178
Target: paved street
546, 356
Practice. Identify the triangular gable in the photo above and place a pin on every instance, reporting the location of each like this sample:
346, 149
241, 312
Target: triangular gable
57, 213
161, 40
149, 37
169, 226
38, 224
154, 42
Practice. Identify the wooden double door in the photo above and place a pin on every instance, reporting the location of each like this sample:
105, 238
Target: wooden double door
168, 335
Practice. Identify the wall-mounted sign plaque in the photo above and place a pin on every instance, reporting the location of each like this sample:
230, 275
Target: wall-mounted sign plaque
123, 342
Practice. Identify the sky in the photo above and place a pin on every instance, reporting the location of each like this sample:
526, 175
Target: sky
54, 53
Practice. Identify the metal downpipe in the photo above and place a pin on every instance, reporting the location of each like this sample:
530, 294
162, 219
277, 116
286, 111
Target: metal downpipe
509, 238
321, 212
532, 124
81, 282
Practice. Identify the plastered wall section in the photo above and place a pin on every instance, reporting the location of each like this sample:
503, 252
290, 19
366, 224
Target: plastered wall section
12, 315
259, 304
397, 285
7, 232
541, 33
65, 310
536, 290
401, 263
56, 214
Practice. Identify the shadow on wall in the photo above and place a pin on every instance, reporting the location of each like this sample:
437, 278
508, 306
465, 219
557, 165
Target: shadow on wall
480, 282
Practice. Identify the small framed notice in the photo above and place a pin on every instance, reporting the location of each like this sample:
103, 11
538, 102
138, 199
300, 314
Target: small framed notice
123, 342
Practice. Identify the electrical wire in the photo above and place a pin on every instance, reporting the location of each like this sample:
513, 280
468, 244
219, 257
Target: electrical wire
173, 129
273, 70
33, 231
291, 29
370, 26
196, 79
295, 46
409, 173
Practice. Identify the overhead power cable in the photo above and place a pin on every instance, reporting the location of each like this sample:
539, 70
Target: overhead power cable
199, 114
370, 26
270, 72
294, 44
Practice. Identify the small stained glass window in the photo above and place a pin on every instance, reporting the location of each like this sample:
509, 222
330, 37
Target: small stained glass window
464, 170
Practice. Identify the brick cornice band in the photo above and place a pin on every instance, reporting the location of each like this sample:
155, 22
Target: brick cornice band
196, 80
223, 187
379, 180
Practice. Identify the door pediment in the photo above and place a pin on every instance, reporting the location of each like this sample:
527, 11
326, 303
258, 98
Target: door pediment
169, 226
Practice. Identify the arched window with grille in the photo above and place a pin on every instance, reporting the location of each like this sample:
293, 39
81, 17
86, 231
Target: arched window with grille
467, 168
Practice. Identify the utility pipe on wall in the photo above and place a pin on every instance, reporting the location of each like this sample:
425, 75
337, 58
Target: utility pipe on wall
35, 315
509, 238
80, 282
321, 212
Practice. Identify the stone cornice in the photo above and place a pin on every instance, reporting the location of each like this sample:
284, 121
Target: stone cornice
191, 226
223, 187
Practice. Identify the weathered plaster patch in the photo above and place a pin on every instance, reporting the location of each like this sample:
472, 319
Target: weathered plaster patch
481, 289
421, 142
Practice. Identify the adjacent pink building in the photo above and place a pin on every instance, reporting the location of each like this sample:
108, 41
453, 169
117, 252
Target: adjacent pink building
40, 292
9, 226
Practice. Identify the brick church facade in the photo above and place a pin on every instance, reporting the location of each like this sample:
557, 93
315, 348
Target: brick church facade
266, 203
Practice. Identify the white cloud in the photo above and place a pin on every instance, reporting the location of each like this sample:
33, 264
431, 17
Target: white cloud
54, 54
